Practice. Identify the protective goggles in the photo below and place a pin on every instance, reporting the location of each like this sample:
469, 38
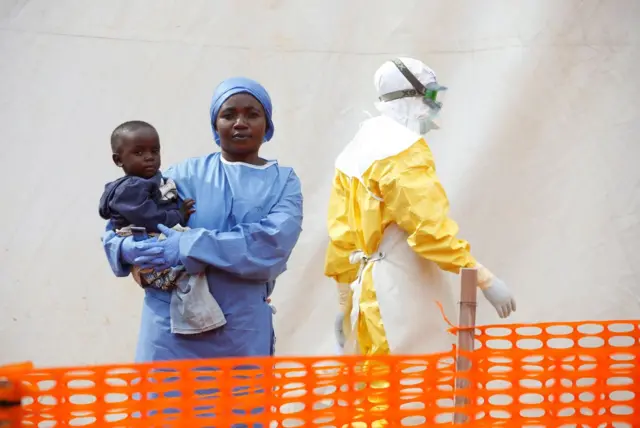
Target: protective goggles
428, 93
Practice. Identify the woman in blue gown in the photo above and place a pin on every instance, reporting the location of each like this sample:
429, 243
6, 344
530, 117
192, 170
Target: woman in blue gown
248, 219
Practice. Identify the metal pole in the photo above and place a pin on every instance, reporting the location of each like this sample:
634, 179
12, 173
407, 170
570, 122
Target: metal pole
466, 337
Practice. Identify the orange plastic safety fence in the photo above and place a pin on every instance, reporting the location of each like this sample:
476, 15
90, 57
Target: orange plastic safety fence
545, 375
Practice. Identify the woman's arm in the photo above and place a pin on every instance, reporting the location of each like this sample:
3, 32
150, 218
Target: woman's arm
112, 244
252, 250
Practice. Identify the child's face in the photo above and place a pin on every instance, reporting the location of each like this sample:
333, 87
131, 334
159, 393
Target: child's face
139, 153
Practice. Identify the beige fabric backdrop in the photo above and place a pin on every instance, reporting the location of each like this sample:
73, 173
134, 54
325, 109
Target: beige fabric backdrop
539, 151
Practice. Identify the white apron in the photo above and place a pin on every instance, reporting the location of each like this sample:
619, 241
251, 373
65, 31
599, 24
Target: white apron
408, 288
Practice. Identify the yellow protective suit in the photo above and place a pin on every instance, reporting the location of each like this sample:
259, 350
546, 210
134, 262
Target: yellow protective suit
392, 243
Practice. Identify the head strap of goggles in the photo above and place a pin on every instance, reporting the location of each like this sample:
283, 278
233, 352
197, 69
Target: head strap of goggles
419, 90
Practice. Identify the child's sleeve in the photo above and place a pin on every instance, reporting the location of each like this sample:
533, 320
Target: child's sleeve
133, 200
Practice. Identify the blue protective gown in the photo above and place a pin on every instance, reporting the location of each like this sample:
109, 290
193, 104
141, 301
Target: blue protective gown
248, 219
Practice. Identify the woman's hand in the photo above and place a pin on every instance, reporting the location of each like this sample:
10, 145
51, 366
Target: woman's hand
132, 250
160, 255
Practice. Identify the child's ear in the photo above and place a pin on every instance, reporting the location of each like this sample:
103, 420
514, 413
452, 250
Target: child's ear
116, 159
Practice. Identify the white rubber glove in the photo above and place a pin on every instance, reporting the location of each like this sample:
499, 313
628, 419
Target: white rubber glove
344, 294
496, 292
339, 330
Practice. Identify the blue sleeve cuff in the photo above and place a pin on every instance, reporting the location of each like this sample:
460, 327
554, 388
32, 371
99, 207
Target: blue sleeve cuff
187, 240
112, 244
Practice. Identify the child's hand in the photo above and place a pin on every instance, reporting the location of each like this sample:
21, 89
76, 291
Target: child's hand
187, 209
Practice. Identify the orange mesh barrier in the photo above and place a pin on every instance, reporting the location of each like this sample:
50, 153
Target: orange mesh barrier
544, 375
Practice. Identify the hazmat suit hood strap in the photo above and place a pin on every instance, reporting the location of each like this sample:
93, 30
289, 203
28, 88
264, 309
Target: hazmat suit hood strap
239, 85
419, 87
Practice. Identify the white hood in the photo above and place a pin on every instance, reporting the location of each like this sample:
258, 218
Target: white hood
410, 112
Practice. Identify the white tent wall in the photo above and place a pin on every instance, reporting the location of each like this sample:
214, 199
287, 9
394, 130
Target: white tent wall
539, 151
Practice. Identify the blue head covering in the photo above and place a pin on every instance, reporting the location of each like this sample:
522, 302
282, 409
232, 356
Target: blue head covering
238, 85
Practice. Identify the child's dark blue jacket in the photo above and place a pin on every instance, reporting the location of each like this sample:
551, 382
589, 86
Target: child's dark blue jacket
137, 201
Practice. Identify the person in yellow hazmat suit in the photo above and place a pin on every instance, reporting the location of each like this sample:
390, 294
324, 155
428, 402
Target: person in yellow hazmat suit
393, 247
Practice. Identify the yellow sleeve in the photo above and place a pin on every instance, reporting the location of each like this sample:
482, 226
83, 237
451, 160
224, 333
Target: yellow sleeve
342, 240
418, 204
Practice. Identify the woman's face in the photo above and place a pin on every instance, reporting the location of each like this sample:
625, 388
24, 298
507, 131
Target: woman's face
241, 125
